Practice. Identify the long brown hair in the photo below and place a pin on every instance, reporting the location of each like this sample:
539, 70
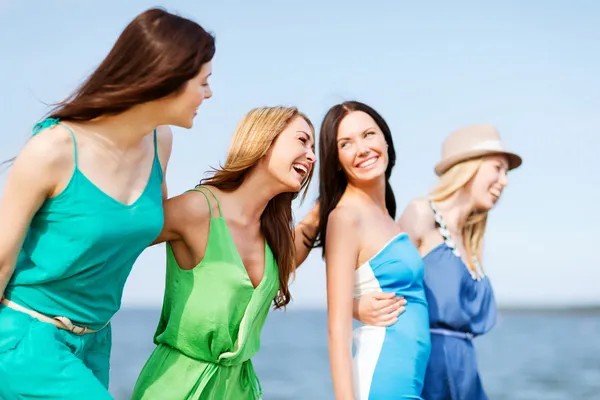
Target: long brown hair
156, 54
332, 180
252, 139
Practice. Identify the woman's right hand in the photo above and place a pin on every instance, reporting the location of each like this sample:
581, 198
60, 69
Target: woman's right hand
378, 308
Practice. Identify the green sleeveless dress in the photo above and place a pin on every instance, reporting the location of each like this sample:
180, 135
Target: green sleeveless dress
210, 325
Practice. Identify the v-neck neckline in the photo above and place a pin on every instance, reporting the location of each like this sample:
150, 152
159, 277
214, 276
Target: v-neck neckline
241, 261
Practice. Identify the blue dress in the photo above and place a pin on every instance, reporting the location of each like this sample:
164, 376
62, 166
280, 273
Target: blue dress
390, 362
461, 307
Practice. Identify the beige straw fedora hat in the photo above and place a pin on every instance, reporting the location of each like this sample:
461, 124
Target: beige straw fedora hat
470, 142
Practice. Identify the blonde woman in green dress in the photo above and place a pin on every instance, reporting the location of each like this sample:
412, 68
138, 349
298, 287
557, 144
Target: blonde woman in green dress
231, 250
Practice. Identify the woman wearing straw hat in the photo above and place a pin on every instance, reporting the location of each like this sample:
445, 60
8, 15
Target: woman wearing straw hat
448, 228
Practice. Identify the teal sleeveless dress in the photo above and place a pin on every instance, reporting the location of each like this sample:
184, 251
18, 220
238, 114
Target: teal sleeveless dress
75, 259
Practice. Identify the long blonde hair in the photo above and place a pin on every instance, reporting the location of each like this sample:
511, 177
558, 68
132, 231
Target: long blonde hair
473, 231
252, 139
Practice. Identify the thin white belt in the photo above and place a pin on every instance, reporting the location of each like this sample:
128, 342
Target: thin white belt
60, 322
448, 332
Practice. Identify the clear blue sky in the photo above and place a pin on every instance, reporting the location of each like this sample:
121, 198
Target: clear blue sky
529, 67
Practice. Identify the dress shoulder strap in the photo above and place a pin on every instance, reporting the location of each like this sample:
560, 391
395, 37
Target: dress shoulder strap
443, 230
157, 159
49, 123
205, 192
478, 274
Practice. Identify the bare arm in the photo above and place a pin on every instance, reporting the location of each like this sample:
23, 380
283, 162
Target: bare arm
305, 234
34, 176
414, 220
187, 221
185, 216
177, 219
165, 145
341, 254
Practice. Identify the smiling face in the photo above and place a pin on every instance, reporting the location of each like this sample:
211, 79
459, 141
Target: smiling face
183, 107
362, 148
488, 183
291, 157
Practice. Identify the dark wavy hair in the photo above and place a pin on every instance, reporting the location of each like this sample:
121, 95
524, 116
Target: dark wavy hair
332, 180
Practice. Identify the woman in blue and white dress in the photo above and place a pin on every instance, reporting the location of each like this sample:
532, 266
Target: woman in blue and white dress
365, 252
448, 228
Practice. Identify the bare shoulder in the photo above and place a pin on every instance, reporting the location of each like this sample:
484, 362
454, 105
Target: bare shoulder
50, 151
164, 137
343, 227
344, 217
417, 218
190, 207
420, 208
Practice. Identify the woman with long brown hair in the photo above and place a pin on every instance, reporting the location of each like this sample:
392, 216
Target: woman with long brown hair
84, 198
366, 252
230, 255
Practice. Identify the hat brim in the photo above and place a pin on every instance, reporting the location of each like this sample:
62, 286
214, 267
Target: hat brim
514, 160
